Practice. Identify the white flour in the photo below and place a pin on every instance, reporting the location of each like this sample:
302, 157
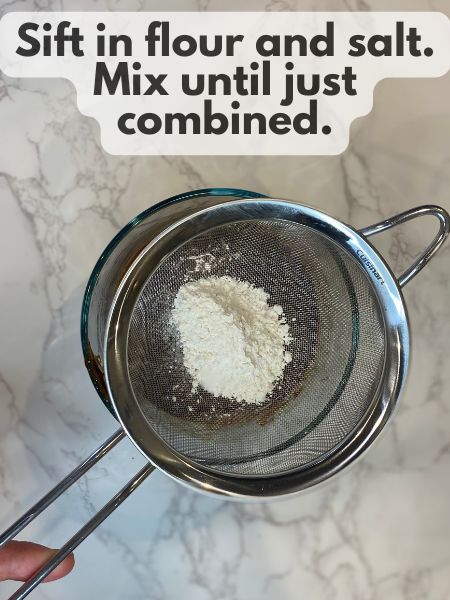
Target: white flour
234, 343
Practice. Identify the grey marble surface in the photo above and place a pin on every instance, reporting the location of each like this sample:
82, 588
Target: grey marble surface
382, 530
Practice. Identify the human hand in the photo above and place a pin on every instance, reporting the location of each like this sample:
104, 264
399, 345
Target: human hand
20, 560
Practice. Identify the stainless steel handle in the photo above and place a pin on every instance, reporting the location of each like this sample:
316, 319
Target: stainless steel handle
61, 487
444, 228
83, 533
87, 529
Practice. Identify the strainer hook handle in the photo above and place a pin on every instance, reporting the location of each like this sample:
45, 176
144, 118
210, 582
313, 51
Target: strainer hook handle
420, 211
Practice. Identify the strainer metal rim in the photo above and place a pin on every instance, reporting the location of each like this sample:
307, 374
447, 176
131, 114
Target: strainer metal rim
187, 471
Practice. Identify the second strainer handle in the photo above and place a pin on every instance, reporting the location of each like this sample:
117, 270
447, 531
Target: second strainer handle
444, 228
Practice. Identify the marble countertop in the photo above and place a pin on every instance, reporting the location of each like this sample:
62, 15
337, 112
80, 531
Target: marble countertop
381, 530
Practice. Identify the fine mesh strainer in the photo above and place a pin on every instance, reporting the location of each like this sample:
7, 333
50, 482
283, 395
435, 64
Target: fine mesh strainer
338, 346
350, 347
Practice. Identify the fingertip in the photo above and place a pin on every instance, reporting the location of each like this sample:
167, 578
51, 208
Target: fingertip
21, 560
62, 569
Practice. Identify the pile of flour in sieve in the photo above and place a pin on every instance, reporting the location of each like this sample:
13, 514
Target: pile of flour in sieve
234, 343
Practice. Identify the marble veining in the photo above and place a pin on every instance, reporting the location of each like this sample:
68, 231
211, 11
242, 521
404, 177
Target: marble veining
381, 530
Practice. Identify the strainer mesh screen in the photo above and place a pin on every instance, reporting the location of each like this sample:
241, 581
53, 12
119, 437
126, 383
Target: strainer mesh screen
338, 350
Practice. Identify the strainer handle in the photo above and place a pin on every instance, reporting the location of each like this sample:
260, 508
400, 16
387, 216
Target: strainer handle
87, 529
82, 533
420, 211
